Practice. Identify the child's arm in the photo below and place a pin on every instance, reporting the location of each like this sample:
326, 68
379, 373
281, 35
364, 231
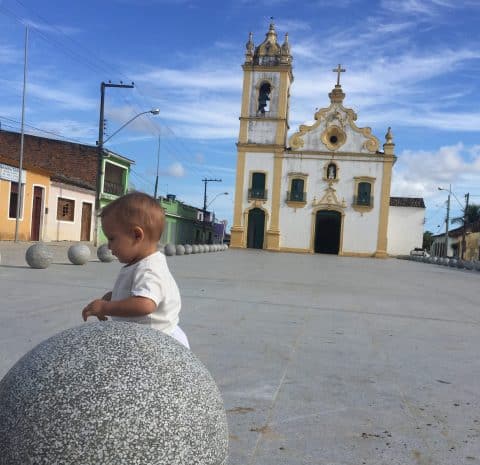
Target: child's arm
131, 306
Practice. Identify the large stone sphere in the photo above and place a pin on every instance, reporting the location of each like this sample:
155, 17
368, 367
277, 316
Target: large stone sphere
188, 249
476, 265
78, 254
453, 262
111, 393
195, 248
170, 250
104, 254
201, 248
38, 256
469, 265
180, 249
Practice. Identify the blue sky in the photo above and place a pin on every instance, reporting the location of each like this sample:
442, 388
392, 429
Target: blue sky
411, 64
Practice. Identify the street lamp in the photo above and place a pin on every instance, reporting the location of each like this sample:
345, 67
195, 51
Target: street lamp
449, 190
218, 195
155, 111
101, 143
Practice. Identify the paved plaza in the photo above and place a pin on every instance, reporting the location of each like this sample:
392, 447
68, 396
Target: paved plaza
320, 359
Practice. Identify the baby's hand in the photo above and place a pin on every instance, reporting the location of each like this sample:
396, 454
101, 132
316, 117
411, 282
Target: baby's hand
95, 308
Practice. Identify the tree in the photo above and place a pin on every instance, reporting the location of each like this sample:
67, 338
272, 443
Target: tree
472, 214
427, 240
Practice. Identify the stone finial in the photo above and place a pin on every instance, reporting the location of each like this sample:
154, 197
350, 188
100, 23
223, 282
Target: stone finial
389, 136
250, 46
337, 95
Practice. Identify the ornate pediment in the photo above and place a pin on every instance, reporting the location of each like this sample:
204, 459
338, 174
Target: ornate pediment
335, 130
329, 201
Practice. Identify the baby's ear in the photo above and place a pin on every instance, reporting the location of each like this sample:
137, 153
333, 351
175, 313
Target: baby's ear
138, 233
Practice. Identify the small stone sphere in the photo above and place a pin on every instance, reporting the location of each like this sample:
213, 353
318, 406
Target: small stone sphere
469, 265
195, 248
188, 249
104, 254
38, 256
170, 250
180, 249
78, 254
208, 248
460, 264
201, 248
216, 247
476, 265
111, 393
226, 246
453, 262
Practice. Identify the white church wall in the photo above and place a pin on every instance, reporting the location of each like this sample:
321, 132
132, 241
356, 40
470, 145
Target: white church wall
405, 229
261, 132
360, 230
260, 162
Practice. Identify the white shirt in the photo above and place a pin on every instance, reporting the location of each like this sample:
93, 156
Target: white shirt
150, 278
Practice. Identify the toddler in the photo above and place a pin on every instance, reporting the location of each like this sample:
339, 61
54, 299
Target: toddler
145, 292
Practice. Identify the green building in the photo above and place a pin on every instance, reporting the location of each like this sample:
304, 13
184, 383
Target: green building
184, 223
114, 182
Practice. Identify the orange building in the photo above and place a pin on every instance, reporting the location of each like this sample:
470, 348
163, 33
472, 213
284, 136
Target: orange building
35, 190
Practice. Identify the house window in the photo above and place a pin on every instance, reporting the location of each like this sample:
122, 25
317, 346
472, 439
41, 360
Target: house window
364, 194
264, 97
65, 209
297, 193
257, 191
114, 176
12, 207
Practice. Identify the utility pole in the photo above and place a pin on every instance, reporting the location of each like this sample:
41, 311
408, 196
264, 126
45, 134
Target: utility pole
101, 129
464, 232
22, 135
446, 221
205, 181
158, 166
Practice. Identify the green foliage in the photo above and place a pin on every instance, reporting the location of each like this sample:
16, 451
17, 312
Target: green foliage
427, 240
472, 215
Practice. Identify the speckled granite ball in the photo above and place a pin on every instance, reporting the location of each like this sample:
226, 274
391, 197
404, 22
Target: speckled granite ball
111, 393
38, 256
170, 250
180, 249
78, 254
188, 249
104, 254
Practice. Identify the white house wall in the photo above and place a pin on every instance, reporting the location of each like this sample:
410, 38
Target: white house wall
67, 230
405, 229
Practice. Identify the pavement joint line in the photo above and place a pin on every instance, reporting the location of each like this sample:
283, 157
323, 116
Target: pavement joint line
294, 348
339, 310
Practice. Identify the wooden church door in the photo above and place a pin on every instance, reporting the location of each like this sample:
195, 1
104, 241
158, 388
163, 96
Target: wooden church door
327, 232
256, 228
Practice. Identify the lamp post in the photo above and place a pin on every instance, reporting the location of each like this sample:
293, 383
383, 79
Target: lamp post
101, 141
209, 203
205, 181
449, 190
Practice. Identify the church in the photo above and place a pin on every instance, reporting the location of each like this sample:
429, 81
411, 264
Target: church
323, 189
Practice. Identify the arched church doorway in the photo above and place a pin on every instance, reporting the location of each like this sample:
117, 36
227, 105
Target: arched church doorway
327, 231
256, 228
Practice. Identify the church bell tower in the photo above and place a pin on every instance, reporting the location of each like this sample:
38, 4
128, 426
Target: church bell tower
267, 77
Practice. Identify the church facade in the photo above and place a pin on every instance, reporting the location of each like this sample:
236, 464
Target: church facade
324, 189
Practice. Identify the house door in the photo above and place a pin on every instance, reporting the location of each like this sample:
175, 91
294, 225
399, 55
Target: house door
86, 221
256, 228
36, 213
327, 232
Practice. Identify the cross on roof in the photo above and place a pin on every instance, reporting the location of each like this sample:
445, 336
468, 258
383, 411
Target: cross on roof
338, 70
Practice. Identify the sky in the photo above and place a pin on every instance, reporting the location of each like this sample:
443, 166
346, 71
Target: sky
412, 65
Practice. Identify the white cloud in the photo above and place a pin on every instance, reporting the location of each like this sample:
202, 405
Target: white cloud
53, 29
67, 98
176, 170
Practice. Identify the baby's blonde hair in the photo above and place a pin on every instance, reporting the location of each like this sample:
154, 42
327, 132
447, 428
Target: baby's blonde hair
138, 209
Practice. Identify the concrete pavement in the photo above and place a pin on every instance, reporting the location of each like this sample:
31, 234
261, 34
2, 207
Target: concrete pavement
320, 359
